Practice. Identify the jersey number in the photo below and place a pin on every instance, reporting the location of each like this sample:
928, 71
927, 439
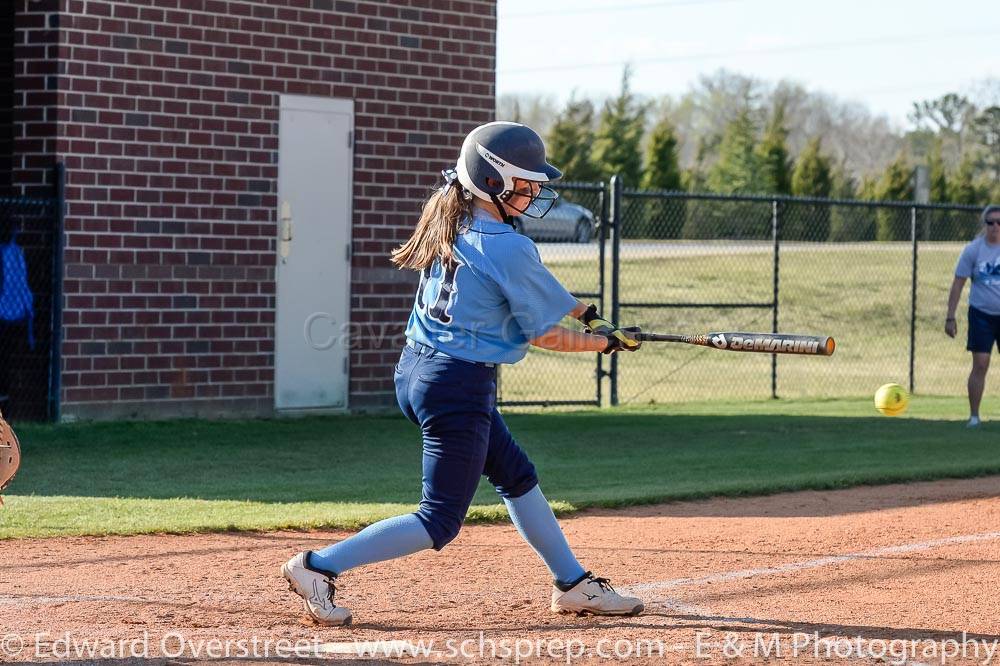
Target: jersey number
440, 310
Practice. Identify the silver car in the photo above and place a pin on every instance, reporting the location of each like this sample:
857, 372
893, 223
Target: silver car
566, 221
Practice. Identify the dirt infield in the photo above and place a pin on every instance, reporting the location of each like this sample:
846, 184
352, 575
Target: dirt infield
887, 570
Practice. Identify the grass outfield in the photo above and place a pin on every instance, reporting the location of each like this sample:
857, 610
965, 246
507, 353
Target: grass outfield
859, 293
126, 478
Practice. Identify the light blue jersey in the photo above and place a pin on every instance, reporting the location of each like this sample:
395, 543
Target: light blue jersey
980, 261
495, 297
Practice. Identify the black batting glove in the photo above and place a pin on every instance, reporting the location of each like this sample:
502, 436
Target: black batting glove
618, 338
623, 339
595, 323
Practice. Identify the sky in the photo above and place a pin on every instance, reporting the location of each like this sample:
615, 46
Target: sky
882, 53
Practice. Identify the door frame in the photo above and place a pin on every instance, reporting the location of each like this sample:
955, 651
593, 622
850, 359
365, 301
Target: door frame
320, 105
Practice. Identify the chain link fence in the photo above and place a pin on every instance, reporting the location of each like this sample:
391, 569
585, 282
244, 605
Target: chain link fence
873, 275
30, 289
572, 241
688, 266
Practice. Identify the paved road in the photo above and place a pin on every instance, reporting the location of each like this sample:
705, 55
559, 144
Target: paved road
562, 252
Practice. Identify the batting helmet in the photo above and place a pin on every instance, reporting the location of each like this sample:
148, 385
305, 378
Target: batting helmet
497, 154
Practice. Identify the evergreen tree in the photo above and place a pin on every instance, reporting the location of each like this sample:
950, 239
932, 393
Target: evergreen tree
848, 223
868, 190
738, 167
941, 225
842, 184
865, 219
940, 192
662, 170
694, 178
619, 134
570, 142
964, 190
663, 218
937, 224
896, 184
776, 167
811, 178
737, 171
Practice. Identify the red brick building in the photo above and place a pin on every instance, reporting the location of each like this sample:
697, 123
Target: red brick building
186, 129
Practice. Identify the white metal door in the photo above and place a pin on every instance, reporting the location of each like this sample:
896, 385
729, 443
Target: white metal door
315, 164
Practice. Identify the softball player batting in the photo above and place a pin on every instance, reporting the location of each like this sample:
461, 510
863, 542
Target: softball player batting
484, 297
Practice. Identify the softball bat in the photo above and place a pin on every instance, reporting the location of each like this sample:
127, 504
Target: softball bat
766, 343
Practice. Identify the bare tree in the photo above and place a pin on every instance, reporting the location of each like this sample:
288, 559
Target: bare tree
986, 129
534, 110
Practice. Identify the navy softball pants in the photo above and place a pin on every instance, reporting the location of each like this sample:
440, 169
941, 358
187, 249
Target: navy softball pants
464, 437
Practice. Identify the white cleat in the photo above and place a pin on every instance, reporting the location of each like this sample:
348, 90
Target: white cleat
973, 422
316, 589
594, 596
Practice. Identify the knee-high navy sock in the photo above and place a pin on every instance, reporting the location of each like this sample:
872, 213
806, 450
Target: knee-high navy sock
534, 519
384, 540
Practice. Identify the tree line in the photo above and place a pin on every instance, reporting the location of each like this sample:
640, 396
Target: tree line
745, 148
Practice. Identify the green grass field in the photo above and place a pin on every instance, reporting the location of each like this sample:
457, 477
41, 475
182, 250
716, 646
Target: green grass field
124, 478
858, 293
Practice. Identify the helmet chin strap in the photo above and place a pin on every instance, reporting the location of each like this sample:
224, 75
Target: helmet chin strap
503, 211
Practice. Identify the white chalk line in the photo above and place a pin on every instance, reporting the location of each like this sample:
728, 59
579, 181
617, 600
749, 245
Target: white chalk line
793, 567
664, 602
667, 603
740, 574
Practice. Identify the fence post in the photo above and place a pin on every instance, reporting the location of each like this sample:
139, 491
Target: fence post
55, 351
774, 315
913, 295
602, 237
615, 216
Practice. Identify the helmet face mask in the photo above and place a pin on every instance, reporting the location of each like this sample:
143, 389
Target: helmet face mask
539, 202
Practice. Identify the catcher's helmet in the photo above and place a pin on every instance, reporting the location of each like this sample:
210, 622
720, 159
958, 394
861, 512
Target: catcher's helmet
496, 154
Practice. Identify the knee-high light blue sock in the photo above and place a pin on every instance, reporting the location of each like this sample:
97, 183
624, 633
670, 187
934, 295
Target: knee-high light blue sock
384, 540
534, 519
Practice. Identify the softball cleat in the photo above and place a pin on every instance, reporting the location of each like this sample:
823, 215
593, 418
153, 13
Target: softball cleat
317, 590
593, 596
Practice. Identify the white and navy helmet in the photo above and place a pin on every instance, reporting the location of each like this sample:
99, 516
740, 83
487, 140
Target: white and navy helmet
496, 155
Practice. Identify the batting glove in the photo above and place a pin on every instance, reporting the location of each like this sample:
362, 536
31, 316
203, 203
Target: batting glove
595, 323
623, 339
618, 338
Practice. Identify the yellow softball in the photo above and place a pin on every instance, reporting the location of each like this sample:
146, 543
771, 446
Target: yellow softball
891, 399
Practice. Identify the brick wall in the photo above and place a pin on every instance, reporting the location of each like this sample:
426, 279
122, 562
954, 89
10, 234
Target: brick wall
168, 114
7, 37
35, 111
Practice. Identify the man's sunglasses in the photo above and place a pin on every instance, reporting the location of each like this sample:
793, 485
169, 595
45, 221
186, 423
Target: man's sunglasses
990, 223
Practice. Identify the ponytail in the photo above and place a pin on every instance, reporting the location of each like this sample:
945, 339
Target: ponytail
436, 230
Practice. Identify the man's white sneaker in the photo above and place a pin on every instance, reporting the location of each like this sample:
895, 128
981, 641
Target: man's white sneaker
594, 596
973, 422
316, 589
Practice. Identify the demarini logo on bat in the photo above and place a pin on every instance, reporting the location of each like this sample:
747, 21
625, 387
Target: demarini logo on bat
765, 343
